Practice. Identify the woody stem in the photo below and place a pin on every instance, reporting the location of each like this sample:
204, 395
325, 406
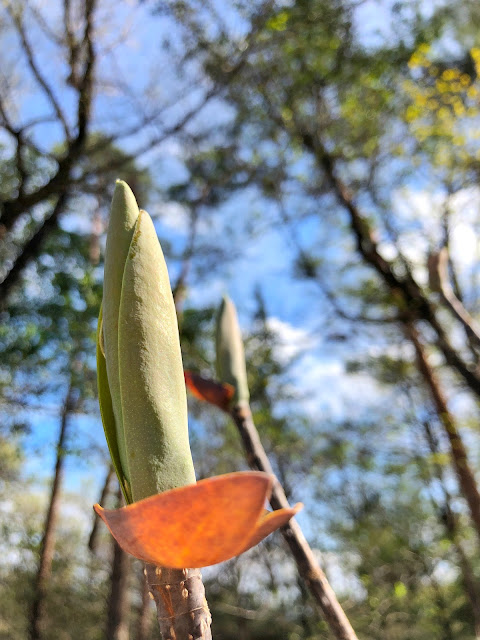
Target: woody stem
182, 609
307, 564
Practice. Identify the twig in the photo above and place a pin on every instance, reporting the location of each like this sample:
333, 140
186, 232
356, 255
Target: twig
438, 272
307, 564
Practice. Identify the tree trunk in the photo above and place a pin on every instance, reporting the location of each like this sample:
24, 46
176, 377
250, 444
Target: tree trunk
450, 521
37, 614
466, 478
118, 603
93, 539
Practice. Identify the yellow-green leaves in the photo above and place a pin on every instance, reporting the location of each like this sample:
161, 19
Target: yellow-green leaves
231, 366
149, 442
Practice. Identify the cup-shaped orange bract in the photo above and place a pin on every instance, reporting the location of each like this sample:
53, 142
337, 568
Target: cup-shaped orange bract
198, 525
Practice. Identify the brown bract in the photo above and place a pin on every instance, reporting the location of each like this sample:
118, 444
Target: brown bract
200, 524
217, 393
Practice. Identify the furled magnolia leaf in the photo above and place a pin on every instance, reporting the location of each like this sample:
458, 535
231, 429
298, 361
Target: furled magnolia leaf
230, 359
152, 387
216, 393
106, 411
146, 409
198, 525
123, 217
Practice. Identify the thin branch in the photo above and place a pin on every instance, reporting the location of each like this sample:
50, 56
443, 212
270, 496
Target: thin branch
461, 464
317, 279
438, 271
36, 71
307, 564
406, 290
31, 250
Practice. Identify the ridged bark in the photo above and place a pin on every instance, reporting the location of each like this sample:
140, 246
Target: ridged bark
182, 609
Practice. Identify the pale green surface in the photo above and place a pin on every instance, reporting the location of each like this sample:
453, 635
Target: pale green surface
154, 404
123, 216
140, 379
231, 366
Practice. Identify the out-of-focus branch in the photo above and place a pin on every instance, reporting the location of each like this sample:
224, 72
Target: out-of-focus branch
461, 464
439, 282
31, 249
93, 539
405, 289
314, 275
59, 183
72, 45
32, 63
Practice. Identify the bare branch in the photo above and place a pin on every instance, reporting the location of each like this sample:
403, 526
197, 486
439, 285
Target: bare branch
408, 292
438, 273
36, 71
307, 564
31, 249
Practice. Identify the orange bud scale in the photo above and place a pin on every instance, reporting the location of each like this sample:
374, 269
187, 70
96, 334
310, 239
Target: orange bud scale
200, 524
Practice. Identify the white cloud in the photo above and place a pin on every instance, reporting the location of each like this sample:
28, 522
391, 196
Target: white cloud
291, 340
419, 216
172, 215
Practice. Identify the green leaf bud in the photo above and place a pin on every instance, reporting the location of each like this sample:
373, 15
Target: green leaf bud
143, 359
230, 362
